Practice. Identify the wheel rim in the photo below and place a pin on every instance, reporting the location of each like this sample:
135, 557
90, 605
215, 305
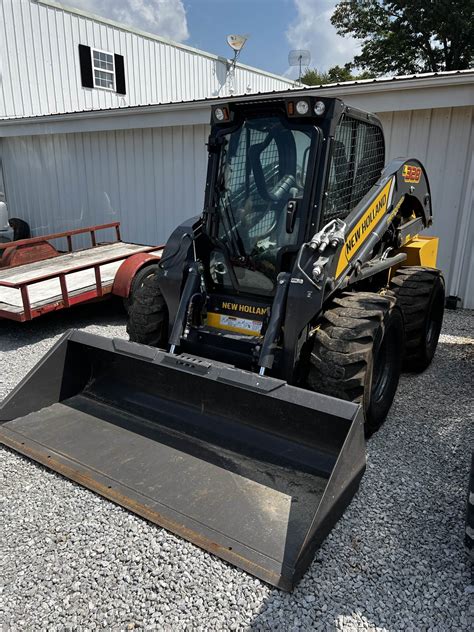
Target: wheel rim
383, 368
433, 326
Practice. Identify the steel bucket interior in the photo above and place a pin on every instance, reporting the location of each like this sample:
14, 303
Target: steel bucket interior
249, 468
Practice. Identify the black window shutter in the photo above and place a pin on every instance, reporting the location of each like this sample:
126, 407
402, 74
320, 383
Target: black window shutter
86, 66
119, 75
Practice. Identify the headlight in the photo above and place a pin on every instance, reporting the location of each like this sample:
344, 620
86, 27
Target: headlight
302, 107
219, 114
319, 108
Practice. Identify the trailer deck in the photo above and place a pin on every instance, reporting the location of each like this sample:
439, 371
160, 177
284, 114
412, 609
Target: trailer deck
32, 289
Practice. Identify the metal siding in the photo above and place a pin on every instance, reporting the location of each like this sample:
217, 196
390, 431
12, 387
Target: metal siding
41, 74
444, 142
149, 179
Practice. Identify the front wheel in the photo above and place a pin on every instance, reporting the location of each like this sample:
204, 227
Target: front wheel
137, 283
356, 353
148, 315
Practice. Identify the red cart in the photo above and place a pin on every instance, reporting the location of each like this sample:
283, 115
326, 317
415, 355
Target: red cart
36, 278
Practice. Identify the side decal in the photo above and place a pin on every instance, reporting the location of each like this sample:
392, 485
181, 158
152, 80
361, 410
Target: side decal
364, 227
411, 173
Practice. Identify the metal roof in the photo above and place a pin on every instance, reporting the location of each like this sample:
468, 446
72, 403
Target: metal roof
423, 80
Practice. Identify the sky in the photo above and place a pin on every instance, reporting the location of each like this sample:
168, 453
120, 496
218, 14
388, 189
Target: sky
274, 27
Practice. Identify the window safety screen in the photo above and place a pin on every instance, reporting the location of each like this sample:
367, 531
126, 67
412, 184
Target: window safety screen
103, 67
263, 166
358, 156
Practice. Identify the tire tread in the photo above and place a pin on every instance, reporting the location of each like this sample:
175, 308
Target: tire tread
343, 343
412, 287
147, 319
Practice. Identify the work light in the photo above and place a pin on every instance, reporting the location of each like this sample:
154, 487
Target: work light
302, 107
319, 108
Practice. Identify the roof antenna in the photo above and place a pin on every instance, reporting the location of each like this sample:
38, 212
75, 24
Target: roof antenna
299, 58
236, 42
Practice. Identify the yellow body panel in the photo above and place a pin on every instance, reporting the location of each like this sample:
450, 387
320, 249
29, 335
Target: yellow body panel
421, 251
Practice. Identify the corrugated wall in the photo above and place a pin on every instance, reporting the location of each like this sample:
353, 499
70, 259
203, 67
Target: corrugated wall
149, 180
40, 73
443, 140
152, 179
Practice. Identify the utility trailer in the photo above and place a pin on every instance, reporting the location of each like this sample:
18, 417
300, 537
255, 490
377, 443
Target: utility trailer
37, 278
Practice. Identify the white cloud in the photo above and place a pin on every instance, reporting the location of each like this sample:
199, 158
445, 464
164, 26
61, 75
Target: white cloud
161, 17
312, 30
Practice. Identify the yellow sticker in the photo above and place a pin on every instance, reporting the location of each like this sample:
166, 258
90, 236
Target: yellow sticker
411, 173
363, 228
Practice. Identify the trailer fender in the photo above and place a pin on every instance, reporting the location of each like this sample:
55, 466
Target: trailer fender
128, 270
18, 255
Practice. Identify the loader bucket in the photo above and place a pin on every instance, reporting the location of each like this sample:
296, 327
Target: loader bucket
246, 467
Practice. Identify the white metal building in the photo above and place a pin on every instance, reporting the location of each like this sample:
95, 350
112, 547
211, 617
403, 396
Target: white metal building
145, 164
58, 59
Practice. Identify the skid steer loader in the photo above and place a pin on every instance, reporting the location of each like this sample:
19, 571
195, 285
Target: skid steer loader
266, 342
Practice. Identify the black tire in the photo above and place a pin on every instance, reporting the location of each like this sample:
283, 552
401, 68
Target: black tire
3, 240
137, 282
420, 295
21, 229
356, 353
148, 316
469, 536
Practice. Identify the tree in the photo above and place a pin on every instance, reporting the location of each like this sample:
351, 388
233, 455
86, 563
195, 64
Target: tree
408, 37
334, 75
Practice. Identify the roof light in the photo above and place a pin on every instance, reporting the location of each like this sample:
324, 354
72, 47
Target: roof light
319, 108
219, 113
302, 107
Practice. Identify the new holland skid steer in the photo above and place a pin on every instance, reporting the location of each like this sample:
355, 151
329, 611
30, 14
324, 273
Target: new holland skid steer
266, 342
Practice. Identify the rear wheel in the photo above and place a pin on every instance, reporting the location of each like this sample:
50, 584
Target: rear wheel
137, 282
21, 229
3, 240
148, 316
420, 295
356, 353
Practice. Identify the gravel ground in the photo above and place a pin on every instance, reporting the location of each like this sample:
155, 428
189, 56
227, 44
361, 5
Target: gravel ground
72, 560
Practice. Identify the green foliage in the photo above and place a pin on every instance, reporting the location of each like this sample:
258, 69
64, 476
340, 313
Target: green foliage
408, 37
334, 75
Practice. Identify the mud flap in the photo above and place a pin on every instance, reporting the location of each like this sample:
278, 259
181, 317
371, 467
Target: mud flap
246, 467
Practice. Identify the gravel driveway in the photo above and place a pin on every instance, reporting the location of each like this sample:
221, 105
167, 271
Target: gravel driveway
72, 560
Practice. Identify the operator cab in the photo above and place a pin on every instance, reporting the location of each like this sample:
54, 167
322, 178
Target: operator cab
261, 182
259, 192
279, 168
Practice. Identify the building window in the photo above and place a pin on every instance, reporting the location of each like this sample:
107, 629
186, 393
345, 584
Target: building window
100, 69
103, 69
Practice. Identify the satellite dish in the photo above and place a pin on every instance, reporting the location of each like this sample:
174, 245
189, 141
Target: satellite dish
299, 58
237, 42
